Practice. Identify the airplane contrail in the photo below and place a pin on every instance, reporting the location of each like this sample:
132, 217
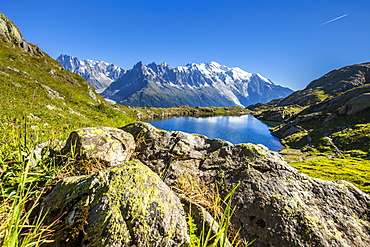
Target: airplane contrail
333, 20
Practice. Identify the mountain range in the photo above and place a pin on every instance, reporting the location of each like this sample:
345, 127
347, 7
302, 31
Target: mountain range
159, 85
98, 74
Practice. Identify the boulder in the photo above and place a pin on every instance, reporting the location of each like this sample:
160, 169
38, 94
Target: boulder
357, 104
111, 146
125, 205
275, 204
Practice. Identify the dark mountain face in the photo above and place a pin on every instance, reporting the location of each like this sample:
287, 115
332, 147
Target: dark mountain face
331, 84
194, 85
343, 79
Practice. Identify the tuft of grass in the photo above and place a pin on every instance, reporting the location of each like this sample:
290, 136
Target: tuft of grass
17, 226
222, 236
209, 198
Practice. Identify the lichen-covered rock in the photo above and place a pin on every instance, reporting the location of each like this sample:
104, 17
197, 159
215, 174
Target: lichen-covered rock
125, 205
275, 204
109, 145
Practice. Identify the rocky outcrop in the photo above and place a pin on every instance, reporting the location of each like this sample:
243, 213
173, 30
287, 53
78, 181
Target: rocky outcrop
275, 205
126, 205
10, 33
331, 84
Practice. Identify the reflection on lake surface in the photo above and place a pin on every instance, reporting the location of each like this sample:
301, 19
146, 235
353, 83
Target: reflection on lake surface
235, 129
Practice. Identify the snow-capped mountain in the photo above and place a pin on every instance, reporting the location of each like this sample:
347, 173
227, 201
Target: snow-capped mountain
205, 84
98, 74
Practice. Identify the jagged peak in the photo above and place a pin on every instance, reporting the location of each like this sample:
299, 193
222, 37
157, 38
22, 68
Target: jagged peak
138, 65
164, 64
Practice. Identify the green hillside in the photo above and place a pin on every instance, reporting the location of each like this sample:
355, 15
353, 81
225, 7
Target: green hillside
39, 89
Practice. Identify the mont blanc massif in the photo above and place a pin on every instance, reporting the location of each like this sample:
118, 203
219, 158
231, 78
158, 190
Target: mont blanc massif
205, 84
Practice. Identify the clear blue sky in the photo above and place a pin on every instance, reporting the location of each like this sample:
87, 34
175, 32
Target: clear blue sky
285, 41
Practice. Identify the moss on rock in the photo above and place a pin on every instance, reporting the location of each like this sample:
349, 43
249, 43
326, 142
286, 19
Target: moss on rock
125, 205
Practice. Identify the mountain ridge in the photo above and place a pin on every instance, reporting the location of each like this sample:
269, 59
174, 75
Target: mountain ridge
205, 84
98, 74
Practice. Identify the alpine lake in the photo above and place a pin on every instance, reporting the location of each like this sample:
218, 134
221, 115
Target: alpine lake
235, 129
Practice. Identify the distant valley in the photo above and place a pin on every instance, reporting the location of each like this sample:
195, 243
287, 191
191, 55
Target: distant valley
160, 85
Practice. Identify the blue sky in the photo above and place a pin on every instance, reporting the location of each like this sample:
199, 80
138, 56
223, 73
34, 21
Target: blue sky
285, 41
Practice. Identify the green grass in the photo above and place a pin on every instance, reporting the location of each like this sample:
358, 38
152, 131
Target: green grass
352, 169
355, 137
23, 92
32, 114
22, 183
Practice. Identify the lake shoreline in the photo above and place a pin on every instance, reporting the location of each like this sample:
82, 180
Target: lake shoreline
235, 129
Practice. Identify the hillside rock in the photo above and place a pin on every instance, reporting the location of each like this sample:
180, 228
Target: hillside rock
125, 205
275, 204
10, 33
356, 104
343, 79
108, 145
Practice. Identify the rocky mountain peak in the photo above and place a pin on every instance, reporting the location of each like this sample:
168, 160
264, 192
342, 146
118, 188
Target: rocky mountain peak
138, 65
160, 85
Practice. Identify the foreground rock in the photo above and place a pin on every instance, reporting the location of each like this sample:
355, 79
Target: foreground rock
275, 204
126, 205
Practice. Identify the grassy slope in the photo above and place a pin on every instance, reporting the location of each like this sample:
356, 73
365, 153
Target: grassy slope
23, 95
345, 157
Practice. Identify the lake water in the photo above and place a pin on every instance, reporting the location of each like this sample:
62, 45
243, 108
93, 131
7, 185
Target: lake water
235, 129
